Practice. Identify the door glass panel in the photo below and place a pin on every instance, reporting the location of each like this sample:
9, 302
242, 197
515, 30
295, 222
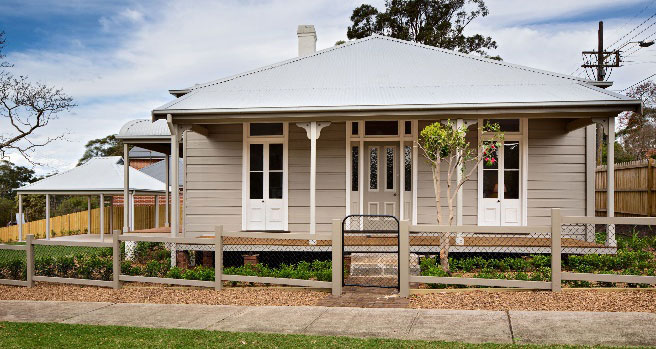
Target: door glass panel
257, 151
389, 168
491, 158
275, 185
257, 183
511, 184
355, 168
275, 157
490, 184
511, 155
373, 168
407, 156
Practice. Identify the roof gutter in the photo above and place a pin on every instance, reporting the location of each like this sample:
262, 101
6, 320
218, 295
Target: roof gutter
634, 105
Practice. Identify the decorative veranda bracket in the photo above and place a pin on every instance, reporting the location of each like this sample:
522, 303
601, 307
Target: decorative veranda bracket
307, 126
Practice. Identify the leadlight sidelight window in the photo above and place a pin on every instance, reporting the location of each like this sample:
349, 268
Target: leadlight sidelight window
373, 168
407, 167
266, 129
355, 168
381, 128
275, 171
389, 168
256, 171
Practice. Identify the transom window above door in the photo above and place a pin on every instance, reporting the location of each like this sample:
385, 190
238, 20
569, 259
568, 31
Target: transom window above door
266, 129
505, 125
381, 128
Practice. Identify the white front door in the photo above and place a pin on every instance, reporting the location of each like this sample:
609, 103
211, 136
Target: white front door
382, 180
265, 210
501, 207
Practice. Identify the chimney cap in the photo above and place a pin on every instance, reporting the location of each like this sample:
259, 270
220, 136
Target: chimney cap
306, 29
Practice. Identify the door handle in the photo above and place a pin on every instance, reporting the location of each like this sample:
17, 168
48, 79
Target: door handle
499, 200
262, 200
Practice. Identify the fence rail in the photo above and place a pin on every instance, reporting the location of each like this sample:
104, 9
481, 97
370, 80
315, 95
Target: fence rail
554, 241
635, 188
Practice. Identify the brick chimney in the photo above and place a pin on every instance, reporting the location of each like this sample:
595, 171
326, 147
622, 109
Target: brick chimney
307, 40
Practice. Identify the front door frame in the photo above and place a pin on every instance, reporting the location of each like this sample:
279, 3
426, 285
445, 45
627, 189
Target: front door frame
247, 141
522, 137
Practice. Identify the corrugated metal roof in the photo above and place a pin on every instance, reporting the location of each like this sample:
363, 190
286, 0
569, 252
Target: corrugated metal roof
99, 174
141, 153
382, 71
144, 128
158, 171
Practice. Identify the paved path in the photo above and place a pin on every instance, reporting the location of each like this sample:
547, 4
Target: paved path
521, 327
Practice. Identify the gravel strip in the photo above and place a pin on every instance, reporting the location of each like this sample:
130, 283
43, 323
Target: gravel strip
571, 300
164, 295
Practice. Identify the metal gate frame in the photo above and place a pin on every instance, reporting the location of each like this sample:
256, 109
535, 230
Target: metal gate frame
375, 231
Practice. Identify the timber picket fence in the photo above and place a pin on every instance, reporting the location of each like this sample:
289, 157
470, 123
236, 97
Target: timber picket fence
635, 189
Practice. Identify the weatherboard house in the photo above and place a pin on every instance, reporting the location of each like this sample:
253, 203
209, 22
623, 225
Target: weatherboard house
293, 145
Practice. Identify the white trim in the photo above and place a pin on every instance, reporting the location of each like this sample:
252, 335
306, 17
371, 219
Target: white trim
524, 171
415, 170
245, 191
245, 187
522, 138
402, 169
361, 155
347, 208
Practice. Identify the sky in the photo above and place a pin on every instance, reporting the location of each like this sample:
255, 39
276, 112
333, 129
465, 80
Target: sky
118, 59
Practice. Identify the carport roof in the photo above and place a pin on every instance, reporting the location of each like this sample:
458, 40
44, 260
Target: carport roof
99, 175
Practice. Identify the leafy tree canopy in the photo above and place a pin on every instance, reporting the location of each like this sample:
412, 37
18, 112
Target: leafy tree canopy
108, 146
13, 176
439, 23
638, 131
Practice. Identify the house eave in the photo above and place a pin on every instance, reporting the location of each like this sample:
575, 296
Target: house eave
610, 107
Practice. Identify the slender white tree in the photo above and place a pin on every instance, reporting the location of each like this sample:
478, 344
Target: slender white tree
445, 146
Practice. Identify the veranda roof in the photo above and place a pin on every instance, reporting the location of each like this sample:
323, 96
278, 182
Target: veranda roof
99, 175
147, 134
383, 73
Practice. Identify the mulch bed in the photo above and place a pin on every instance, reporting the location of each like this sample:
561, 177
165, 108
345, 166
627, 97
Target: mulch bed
142, 293
569, 300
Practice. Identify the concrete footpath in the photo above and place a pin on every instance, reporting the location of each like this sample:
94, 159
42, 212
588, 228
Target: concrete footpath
474, 326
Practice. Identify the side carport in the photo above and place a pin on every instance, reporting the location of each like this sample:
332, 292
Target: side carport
155, 136
100, 176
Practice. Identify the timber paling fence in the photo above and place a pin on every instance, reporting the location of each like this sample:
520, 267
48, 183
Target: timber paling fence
77, 222
635, 188
577, 251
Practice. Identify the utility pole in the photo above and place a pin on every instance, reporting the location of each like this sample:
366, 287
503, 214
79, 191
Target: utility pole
600, 65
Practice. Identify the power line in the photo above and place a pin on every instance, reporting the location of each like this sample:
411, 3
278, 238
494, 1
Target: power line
629, 21
634, 29
639, 82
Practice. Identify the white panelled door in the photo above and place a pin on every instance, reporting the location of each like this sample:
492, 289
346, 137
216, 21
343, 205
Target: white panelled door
502, 207
265, 211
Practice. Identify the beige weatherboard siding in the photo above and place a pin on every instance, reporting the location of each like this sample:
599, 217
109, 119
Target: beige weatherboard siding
214, 180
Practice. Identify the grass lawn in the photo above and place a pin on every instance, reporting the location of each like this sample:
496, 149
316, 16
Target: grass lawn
33, 335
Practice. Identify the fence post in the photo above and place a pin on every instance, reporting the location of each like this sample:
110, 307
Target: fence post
404, 258
29, 259
218, 258
338, 258
116, 261
556, 222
